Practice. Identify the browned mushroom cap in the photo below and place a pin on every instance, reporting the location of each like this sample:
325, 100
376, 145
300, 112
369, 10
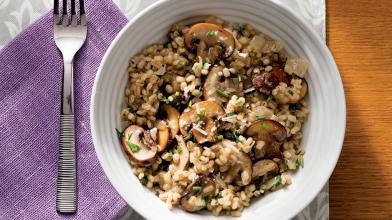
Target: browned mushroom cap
267, 81
198, 194
272, 133
205, 111
184, 154
209, 40
139, 145
220, 91
262, 167
302, 93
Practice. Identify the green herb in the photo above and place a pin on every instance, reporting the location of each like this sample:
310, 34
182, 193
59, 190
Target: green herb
219, 137
270, 98
265, 126
222, 93
188, 137
164, 100
291, 92
201, 114
170, 78
210, 33
182, 63
278, 180
179, 149
235, 137
170, 155
206, 199
294, 107
134, 147
130, 108
260, 117
230, 114
144, 180
196, 189
207, 60
119, 133
300, 161
219, 195
235, 80
190, 103
176, 95
219, 47
201, 207
238, 101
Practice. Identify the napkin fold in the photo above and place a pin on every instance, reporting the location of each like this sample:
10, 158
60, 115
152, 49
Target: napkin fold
30, 93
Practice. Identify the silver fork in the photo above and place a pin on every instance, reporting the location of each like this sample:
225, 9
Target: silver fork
69, 36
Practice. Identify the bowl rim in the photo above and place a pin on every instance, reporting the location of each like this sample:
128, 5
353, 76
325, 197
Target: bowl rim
308, 29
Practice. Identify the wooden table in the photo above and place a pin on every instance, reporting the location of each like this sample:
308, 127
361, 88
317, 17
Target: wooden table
360, 37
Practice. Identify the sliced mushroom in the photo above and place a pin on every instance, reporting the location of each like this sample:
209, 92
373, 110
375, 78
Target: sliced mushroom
184, 154
218, 90
262, 167
163, 135
139, 145
272, 133
267, 81
206, 111
198, 194
173, 118
302, 93
209, 40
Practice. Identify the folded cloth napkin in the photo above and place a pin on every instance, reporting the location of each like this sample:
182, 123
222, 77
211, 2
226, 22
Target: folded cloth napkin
30, 93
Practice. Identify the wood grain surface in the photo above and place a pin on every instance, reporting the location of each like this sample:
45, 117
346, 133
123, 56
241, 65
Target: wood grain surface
360, 37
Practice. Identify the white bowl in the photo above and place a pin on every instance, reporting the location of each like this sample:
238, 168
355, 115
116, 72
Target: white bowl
323, 132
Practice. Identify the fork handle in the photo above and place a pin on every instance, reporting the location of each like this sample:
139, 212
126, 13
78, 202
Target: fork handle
66, 181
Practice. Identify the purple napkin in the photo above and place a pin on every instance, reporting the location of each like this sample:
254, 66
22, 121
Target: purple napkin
30, 91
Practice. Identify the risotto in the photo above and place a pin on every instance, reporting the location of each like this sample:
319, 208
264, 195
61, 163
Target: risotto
213, 117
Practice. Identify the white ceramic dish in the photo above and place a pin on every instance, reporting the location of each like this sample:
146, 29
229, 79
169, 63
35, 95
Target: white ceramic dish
323, 132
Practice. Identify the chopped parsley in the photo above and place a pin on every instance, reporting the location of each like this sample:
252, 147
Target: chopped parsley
119, 133
170, 155
207, 60
210, 33
201, 114
222, 93
188, 137
258, 117
206, 199
219, 137
144, 180
265, 126
291, 92
219, 47
130, 108
219, 195
182, 63
294, 107
190, 103
235, 80
230, 114
270, 98
164, 100
170, 78
196, 189
235, 137
179, 149
300, 161
134, 147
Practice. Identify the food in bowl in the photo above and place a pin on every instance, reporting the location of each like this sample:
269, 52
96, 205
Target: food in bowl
213, 116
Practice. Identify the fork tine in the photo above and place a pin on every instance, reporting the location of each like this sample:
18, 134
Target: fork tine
56, 18
74, 19
65, 18
83, 19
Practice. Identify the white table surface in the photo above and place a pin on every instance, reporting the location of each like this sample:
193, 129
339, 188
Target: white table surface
15, 15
